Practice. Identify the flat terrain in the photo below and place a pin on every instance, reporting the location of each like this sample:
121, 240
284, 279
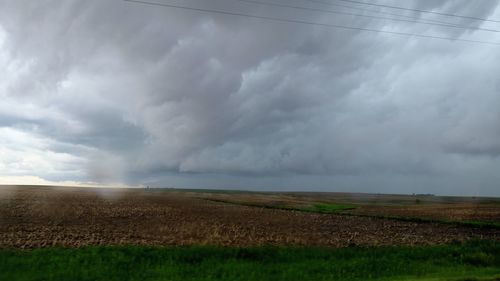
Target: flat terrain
439, 208
36, 217
471, 261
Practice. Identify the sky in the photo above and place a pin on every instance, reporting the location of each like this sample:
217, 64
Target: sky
110, 92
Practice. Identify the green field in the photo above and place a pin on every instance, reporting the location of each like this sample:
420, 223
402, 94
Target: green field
329, 208
477, 260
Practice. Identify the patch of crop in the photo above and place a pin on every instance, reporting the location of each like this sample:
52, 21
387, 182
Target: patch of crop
329, 208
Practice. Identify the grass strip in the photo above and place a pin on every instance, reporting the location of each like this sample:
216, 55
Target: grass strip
322, 208
473, 260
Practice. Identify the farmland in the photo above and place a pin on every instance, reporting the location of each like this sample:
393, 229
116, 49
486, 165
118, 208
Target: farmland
63, 233
35, 217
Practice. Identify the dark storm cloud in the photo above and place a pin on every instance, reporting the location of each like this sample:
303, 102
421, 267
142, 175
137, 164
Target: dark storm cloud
126, 92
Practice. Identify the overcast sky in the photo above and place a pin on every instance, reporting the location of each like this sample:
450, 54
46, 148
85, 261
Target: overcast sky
113, 92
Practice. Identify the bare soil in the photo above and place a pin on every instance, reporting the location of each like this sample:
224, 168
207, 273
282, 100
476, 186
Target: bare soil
33, 217
461, 212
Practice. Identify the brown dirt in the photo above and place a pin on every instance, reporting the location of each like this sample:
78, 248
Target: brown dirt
460, 212
32, 217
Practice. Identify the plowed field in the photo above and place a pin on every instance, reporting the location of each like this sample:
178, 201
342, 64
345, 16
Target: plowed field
33, 217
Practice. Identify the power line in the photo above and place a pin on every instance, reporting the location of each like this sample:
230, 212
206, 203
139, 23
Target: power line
310, 23
373, 11
362, 15
420, 11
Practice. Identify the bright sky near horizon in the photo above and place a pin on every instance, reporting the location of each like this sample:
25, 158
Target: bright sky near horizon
115, 92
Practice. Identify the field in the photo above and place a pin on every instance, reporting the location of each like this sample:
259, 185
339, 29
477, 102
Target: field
34, 217
233, 235
424, 208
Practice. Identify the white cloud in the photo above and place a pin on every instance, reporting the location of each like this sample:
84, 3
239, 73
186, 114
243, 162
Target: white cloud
22, 153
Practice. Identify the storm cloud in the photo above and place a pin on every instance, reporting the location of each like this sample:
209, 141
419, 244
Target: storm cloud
110, 91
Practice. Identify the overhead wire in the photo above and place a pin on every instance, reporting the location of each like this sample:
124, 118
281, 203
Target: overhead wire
363, 15
378, 11
285, 20
419, 10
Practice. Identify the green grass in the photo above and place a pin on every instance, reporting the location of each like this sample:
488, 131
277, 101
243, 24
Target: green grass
322, 208
329, 208
476, 260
